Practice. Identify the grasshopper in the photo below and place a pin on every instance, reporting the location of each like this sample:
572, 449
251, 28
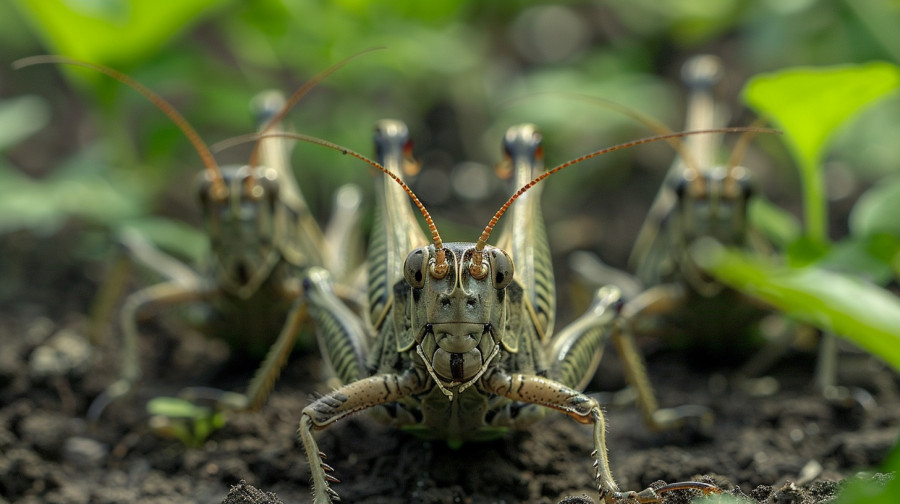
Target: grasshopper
463, 348
700, 199
262, 237
697, 199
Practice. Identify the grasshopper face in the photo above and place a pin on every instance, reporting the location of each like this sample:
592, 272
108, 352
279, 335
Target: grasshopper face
458, 318
709, 203
714, 204
242, 227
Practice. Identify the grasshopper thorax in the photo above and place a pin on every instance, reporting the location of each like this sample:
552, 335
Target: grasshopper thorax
458, 318
241, 225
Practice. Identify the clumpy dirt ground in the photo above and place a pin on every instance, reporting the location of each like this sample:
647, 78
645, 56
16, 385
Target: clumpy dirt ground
776, 442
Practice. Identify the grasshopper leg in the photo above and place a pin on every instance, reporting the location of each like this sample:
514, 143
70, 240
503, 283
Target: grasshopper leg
342, 341
265, 377
342, 338
169, 293
351, 398
134, 248
552, 394
659, 299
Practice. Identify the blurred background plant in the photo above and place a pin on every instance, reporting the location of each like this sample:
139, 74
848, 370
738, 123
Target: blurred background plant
82, 155
449, 70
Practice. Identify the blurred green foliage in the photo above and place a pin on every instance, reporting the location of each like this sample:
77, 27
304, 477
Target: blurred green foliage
449, 68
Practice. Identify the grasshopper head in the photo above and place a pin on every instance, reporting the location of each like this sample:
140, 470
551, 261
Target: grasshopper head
458, 317
713, 203
241, 224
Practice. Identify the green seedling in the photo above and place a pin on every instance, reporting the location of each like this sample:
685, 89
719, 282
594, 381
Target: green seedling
183, 420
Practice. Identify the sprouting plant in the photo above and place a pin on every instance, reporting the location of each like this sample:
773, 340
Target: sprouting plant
183, 420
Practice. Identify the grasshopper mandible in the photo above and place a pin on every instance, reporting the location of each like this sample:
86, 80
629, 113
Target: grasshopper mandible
463, 348
262, 237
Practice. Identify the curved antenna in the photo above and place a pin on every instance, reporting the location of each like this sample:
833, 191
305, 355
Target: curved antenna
212, 168
651, 123
299, 94
440, 255
482, 240
743, 143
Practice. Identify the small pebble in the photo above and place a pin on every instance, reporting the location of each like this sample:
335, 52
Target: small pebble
65, 353
84, 452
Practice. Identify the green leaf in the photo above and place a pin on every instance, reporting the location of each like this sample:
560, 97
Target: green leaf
20, 117
172, 236
876, 211
805, 251
861, 312
868, 257
880, 490
43, 205
173, 407
77, 189
112, 31
779, 226
809, 104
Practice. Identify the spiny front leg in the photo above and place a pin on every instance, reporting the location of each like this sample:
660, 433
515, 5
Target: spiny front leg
357, 396
552, 394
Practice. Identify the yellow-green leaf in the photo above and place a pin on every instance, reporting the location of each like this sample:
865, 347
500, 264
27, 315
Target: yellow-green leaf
112, 31
809, 104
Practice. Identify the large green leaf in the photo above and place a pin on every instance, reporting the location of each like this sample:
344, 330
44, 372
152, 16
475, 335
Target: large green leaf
862, 312
112, 31
809, 104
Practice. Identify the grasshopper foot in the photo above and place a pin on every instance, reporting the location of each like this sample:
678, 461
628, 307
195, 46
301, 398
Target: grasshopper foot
652, 495
117, 390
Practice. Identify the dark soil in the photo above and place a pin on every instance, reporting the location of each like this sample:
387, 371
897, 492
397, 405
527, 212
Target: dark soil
778, 441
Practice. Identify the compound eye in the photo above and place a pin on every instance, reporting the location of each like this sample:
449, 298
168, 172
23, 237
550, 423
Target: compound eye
270, 187
680, 185
202, 187
747, 188
208, 191
502, 268
414, 268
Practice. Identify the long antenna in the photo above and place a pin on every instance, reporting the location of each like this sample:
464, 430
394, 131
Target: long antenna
299, 94
651, 123
212, 168
743, 143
